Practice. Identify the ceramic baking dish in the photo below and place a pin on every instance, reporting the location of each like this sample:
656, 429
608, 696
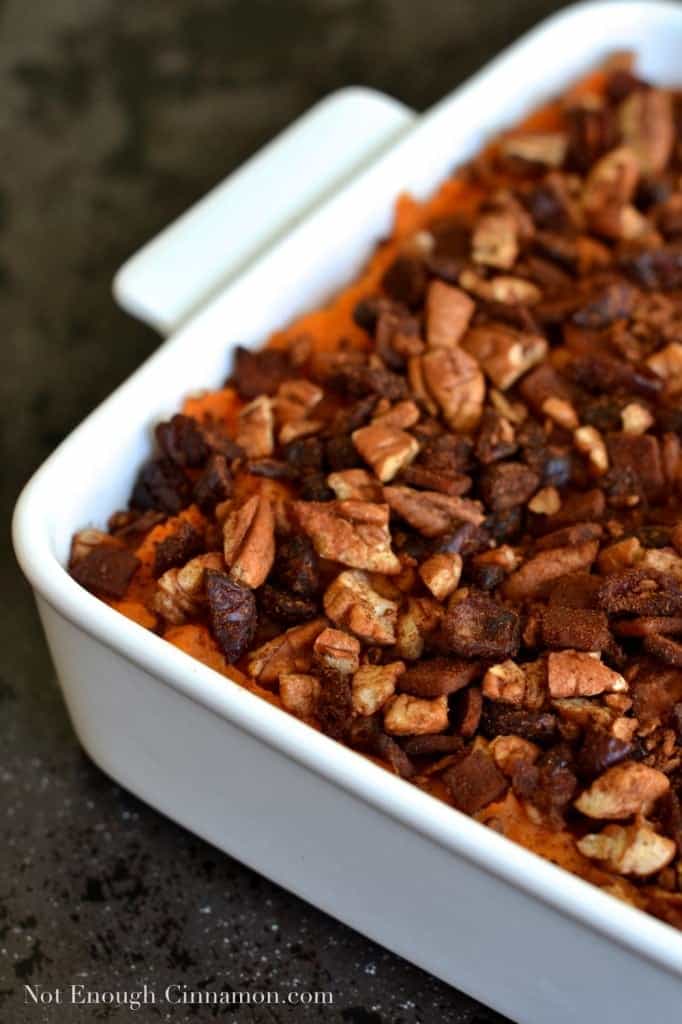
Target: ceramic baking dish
431, 884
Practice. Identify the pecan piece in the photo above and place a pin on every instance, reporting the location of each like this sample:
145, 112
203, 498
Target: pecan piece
441, 573
412, 716
454, 380
583, 629
372, 686
335, 651
232, 612
430, 512
354, 533
547, 149
355, 485
249, 541
474, 782
299, 693
386, 449
255, 432
448, 312
479, 627
290, 652
641, 592
494, 242
647, 126
415, 625
537, 576
180, 593
581, 674
437, 677
627, 788
633, 850
351, 601
505, 682
503, 352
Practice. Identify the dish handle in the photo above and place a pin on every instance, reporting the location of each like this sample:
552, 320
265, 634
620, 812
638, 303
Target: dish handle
175, 273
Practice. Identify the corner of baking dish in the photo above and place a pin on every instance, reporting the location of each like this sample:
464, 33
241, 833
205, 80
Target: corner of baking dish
37, 549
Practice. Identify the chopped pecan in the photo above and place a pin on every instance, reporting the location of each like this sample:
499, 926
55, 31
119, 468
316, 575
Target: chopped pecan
372, 686
354, 533
667, 364
505, 682
177, 548
640, 592
537, 576
561, 412
504, 288
479, 627
589, 442
355, 485
336, 651
437, 677
432, 480
647, 126
289, 652
547, 149
511, 752
249, 541
180, 593
448, 312
232, 613
351, 601
506, 484
496, 438
412, 716
629, 850
441, 574
474, 781
503, 352
577, 590
255, 433
432, 513
546, 502
416, 623
454, 380
611, 183
299, 693
580, 674
626, 788
105, 569
400, 416
386, 449
621, 555
181, 440
494, 241
294, 400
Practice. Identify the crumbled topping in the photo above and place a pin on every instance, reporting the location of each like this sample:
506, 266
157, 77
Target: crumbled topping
351, 601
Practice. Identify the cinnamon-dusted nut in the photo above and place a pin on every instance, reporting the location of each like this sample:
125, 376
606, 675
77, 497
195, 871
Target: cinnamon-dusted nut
438, 677
336, 651
494, 241
508, 290
299, 693
351, 601
413, 716
561, 411
355, 485
249, 541
430, 512
373, 685
581, 674
621, 555
479, 627
629, 850
289, 652
546, 148
589, 441
417, 621
503, 557
611, 182
453, 378
255, 432
417, 382
636, 418
474, 781
400, 416
546, 502
448, 312
511, 752
386, 449
505, 682
536, 576
180, 592
441, 573
667, 364
354, 533
299, 428
295, 399
627, 788
647, 126
503, 352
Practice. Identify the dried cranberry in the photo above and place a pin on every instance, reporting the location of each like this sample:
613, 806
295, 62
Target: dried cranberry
214, 485
177, 549
181, 440
161, 485
232, 613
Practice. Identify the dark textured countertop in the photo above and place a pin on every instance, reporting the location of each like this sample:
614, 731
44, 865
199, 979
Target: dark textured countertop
116, 115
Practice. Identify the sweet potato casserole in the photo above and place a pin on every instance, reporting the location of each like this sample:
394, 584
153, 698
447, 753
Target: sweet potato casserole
439, 519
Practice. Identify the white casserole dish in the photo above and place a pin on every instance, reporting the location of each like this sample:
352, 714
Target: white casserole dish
429, 883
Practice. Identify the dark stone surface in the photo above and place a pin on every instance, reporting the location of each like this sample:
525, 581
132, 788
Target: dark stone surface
116, 115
